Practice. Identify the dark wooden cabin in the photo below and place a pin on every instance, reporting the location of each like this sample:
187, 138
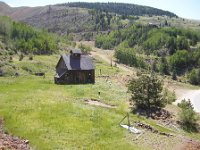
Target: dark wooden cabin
75, 68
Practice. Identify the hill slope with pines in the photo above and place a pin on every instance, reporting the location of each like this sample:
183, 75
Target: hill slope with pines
19, 37
123, 9
79, 17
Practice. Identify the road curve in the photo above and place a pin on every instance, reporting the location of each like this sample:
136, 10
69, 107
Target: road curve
193, 96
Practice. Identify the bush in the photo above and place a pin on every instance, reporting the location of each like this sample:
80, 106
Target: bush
128, 56
10, 59
194, 77
189, 120
169, 96
164, 67
187, 116
174, 77
21, 57
30, 57
185, 104
8, 70
34, 67
180, 60
84, 48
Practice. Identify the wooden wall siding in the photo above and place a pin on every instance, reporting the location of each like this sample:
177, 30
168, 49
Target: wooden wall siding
77, 77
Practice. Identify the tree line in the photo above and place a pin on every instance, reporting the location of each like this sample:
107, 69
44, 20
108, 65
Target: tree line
123, 9
151, 39
19, 37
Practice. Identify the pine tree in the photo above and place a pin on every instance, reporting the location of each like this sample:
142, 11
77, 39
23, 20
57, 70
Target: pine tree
146, 92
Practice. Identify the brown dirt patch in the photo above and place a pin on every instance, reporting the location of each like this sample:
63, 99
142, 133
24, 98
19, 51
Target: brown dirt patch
187, 144
98, 103
192, 146
10, 142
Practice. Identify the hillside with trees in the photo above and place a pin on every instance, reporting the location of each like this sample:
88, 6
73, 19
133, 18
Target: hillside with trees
163, 49
80, 17
54, 18
123, 9
18, 37
21, 40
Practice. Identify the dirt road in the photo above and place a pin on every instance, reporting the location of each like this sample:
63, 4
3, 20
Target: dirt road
193, 96
107, 56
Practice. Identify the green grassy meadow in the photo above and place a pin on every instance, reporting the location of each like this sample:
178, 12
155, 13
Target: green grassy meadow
55, 116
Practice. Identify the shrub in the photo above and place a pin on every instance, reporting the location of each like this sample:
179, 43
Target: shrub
194, 77
185, 104
84, 48
30, 57
8, 70
187, 116
169, 96
180, 60
164, 67
174, 77
10, 59
21, 57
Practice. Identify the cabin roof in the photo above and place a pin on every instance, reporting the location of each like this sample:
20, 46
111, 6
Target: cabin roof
82, 63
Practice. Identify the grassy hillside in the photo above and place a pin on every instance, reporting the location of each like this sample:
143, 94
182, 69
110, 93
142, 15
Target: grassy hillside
56, 116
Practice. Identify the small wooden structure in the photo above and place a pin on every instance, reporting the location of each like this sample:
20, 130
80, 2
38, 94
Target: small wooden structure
75, 68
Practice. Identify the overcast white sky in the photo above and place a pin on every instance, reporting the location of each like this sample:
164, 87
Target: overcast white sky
183, 8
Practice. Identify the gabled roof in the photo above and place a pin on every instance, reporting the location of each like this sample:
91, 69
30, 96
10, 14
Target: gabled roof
82, 63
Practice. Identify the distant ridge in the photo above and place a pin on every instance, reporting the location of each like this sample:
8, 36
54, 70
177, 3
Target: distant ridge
75, 17
123, 9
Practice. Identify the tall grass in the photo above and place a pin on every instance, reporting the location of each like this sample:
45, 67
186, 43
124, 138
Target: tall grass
56, 117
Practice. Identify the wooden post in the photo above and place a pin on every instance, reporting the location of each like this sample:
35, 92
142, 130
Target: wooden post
128, 120
122, 119
99, 93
